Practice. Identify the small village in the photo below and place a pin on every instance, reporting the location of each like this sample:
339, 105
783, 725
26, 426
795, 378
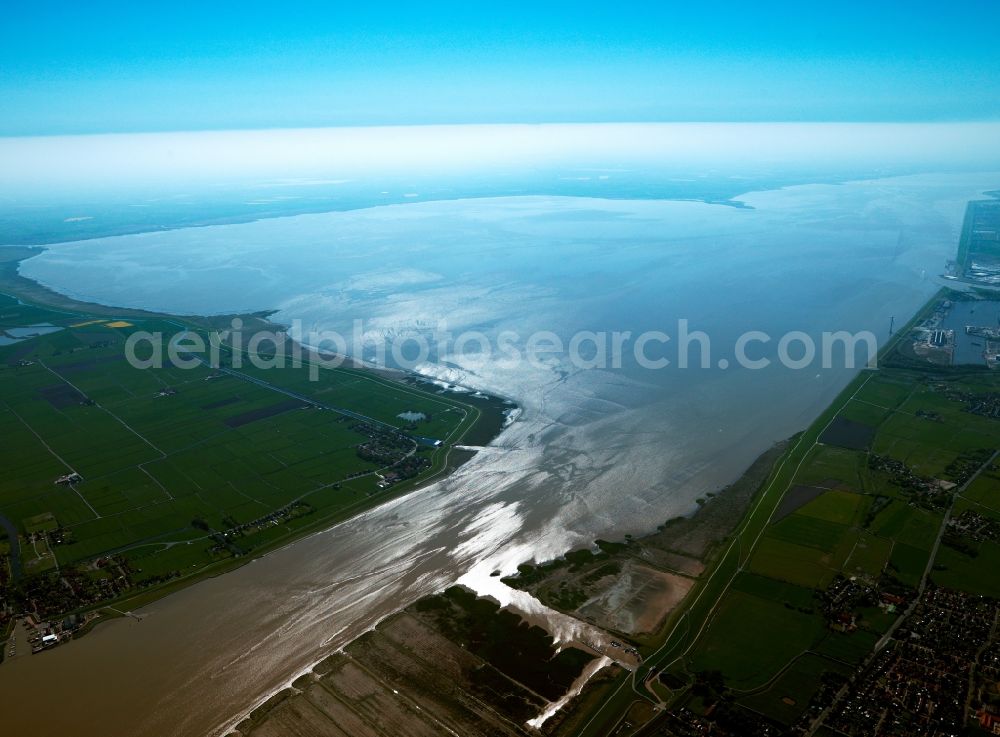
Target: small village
925, 681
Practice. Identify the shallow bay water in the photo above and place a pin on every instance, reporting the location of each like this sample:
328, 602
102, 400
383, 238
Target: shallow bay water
594, 453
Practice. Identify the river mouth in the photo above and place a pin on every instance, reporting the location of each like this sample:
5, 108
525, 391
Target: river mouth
596, 452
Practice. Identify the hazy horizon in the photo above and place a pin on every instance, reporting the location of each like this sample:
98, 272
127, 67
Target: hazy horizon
213, 157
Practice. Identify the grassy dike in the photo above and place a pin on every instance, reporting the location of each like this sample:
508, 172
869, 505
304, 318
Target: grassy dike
686, 624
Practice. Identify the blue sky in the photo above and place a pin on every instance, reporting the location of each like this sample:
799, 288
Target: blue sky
135, 66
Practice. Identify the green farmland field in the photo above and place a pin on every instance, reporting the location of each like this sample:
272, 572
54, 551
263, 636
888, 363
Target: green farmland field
752, 638
175, 471
847, 514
